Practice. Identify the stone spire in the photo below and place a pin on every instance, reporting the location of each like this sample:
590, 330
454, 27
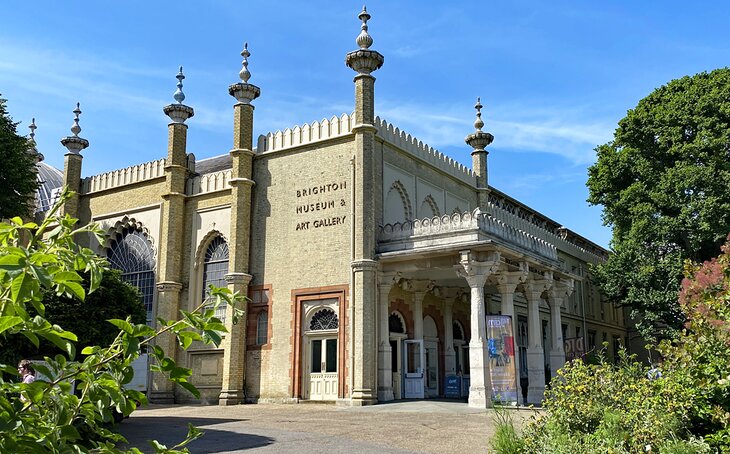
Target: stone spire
74, 143
243, 91
479, 140
179, 112
364, 60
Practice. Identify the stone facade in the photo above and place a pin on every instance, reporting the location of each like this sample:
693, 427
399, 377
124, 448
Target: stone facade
356, 243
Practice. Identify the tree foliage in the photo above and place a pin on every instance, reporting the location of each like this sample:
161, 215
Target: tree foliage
46, 416
663, 182
621, 408
18, 181
87, 319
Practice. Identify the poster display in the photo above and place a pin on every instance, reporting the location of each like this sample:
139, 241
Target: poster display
501, 359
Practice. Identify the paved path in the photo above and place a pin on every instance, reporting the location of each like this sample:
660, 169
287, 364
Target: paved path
401, 427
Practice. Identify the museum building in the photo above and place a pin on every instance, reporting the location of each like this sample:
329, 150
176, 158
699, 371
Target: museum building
371, 261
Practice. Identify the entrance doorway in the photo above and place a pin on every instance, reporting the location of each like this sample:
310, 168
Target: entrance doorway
414, 359
322, 364
320, 355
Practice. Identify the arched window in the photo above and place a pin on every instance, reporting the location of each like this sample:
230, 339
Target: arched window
131, 253
215, 268
262, 328
395, 324
324, 319
458, 331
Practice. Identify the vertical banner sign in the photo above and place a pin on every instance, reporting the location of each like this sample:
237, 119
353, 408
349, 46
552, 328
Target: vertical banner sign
501, 357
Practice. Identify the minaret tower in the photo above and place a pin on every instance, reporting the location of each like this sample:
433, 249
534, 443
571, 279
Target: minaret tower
72, 165
169, 275
479, 140
234, 345
364, 280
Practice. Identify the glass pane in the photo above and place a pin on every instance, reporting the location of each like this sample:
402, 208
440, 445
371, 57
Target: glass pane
394, 356
414, 358
316, 357
331, 355
262, 328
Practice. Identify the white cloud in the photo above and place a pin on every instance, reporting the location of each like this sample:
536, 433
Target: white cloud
567, 132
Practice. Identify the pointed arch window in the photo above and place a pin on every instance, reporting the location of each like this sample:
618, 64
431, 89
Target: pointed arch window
215, 268
131, 253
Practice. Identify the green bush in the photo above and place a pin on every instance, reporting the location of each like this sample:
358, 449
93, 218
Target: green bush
616, 408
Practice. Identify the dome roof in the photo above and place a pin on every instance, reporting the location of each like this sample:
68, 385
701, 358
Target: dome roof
50, 180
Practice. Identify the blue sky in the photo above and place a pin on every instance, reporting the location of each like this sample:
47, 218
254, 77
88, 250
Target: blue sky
554, 77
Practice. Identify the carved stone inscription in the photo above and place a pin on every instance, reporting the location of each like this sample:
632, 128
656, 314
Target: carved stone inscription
322, 205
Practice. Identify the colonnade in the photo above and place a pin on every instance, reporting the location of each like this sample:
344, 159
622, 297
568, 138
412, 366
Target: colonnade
476, 269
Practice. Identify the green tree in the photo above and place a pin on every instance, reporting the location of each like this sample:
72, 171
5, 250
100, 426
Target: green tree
87, 319
663, 182
46, 416
18, 181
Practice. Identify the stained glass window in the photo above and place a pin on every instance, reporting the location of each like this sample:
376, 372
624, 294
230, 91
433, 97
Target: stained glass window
131, 253
324, 319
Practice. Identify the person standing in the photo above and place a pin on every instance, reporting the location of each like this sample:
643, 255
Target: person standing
25, 368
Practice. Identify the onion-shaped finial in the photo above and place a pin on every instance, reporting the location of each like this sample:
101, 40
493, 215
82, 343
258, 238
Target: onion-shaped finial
179, 95
245, 74
364, 40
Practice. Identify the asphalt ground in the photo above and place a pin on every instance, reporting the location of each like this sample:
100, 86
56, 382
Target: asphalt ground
400, 427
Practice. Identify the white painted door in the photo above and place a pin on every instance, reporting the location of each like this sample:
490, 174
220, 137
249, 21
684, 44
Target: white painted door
414, 361
322, 368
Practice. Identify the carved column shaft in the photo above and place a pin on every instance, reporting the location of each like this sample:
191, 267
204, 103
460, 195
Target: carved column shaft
449, 354
476, 273
385, 371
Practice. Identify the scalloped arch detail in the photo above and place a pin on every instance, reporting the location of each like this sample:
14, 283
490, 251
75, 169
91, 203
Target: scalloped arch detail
203, 245
403, 193
129, 223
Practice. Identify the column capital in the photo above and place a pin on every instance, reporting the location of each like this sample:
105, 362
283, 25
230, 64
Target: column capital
452, 294
560, 290
238, 278
421, 285
534, 287
363, 265
474, 270
388, 279
169, 286
507, 281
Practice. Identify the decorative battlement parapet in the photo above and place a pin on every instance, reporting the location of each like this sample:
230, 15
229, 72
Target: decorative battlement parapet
306, 134
411, 144
210, 182
122, 177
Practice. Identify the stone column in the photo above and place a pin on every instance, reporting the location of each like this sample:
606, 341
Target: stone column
533, 289
419, 289
364, 345
169, 278
72, 165
507, 282
364, 279
234, 347
385, 367
476, 272
478, 140
557, 294
242, 183
450, 296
